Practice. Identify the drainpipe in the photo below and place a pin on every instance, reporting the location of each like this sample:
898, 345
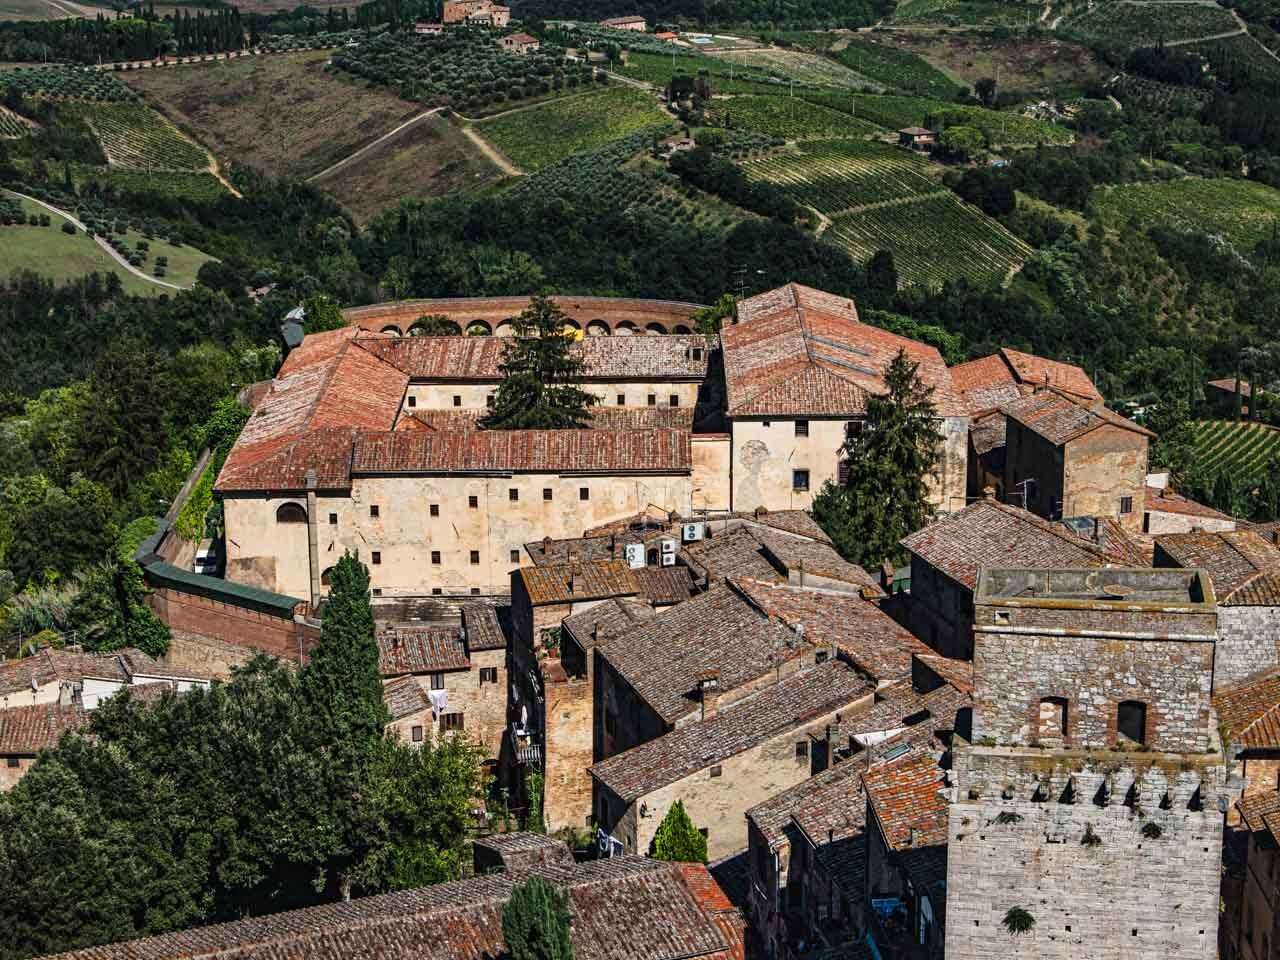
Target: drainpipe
313, 536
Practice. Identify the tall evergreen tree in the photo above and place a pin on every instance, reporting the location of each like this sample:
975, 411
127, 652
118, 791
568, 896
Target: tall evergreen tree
539, 389
678, 839
888, 460
535, 922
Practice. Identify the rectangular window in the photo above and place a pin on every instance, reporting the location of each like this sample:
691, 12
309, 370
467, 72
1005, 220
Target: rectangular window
451, 721
799, 480
417, 734
802, 749
765, 423
622, 399
436, 591
413, 401
435, 558
1126, 504
488, 674
697, 353
377, 591
377, 557
675, 400
488, 401
12, 762
546, 494
457, 400
333, 519
475, 557
473, 503
475, 591
437, 681
435, 509
716, 771
373, 510
515, 556
584, 493
513, 495
820, 657
802, 428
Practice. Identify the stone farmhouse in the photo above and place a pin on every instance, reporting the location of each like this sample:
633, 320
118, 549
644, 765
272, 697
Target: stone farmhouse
626, 23
476, 13
25, 731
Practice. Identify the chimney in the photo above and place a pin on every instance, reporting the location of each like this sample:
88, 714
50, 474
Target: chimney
886, 576
546, 546
911, 837
595, 631
709, 688
988, 492
613, 544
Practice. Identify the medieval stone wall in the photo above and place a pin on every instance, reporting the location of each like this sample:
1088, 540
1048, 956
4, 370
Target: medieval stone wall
1248, 644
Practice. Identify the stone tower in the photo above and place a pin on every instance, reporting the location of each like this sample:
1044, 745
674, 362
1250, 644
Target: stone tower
1089, 807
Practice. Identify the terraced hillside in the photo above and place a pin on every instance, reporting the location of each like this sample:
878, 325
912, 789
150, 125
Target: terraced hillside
792, 118
135, 136
1241, 449
1125, 25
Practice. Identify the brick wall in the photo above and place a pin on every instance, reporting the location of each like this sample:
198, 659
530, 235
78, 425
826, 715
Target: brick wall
9, 776
568, 752
202, 617
1248, 644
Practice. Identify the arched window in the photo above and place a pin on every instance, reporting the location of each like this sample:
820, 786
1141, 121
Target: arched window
326, 578
1131, 721
291, 513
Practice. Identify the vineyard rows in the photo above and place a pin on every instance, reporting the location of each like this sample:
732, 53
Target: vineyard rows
933, 238
544, 134
1242, 53
1000, 127
836, 175
13, 126
82, 83
1241, 449
895, 69
198, 187
1243, 212
793, 118
133, 135
803, 67
1127, 25
957, 13
725, 77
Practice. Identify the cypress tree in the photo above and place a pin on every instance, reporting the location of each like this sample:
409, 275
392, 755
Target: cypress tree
539, 389
535, 922
678, 839
888, 460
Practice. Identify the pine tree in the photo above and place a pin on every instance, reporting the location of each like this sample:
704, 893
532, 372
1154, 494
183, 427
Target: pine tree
535, 922
539, 389
678, 839
888, 459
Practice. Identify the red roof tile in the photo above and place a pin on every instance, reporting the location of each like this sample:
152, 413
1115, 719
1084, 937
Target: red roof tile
570, 582
404, 697
905, 795
1251, 712
404, 649
1060, 419
1164, 500
1243, 565
523, 451
1034, 370
30, 729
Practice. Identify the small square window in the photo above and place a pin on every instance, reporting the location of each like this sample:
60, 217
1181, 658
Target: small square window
584, 493
451, 721
12, 762
413, 401
802, 749
1126, 504
697, 353
653, 399
820, 657
435, 510
515, 556
417, 734
716, 770
513, 495
436, 591
765, 423
799, 480
802, 428
333, 519
475, 591
437, 681
457, 400
435, 558
377, 557
473, 502
475, 557
622, 399
373, 510
377, 591
488, 674
546, 494
675, 400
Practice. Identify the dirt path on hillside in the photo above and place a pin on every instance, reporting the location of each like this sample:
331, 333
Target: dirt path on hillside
216, 170
488, 149
411, 122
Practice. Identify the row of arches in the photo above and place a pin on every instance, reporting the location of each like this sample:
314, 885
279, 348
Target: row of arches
595, 328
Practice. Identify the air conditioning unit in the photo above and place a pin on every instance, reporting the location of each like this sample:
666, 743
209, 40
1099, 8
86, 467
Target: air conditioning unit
668, 546
635, 555
693, 531
668, 559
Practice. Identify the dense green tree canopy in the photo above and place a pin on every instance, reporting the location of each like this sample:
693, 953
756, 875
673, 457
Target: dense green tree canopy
678, 839
535, 922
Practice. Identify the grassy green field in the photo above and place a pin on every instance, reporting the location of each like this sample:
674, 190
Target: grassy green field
1124, 25
61, 256
893, 68
1001, 127
933, 237
836, 175
798, 65
725, 77
976, 13
791, 117
1242, 211
1240, 448
541, 135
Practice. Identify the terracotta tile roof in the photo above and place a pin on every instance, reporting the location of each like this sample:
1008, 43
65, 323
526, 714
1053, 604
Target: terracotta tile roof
326, 392
663, 586
49, 665
721, 629
905, 795
483, 631
862, 631
1229, 385
757, 552
671, 357
738, 553
404, 697
799, 522
523, 451
1166, 501
1251, 712
772, 711
25, 731
1060, 418
607, 619
141, 665
1257, 806
1005, 376
796, 351
623, 908
991, 534
958, 673
1066, 377
986, 384
987, 432
797, 557
1243, 566
1129, 549
569, 582
842, 780
406, 649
